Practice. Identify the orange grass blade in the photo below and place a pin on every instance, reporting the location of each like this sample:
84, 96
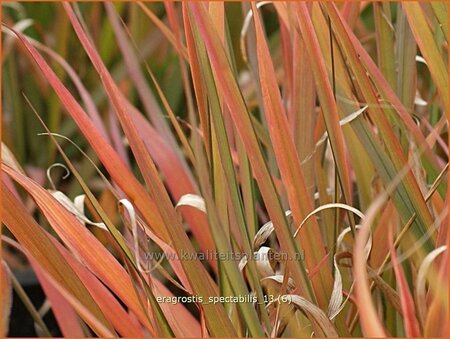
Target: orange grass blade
178, 180
165, 154
411, 323
115, 313
94, 323
289, 164
200, 281
370, 323
232, 98
30, 235
69, 324
227, 198
114, 165
303, 102
128, 183
82, 242
325, 94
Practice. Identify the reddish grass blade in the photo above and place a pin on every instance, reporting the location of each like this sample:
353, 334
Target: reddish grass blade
411, 323
145, 163
6, 302
145, 94
225, 211
325, 94
115, 313
183, 323
200, 281
436, 320
83, 243
232, 98
116, 138
84, 94
359, 155
127, 182
350, 12
178, 180
114, 165
303, 102
388, 220
125, 323
65, 315
29, 234
370, 323
289, 164
162, 320
164, 151
217, 12
84, 312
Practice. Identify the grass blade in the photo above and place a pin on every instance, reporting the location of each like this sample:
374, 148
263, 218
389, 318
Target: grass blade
410, 321
28, 232
288, 163
408, 197
232, 98
218, 322
430, 52
6, 288
325, 94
